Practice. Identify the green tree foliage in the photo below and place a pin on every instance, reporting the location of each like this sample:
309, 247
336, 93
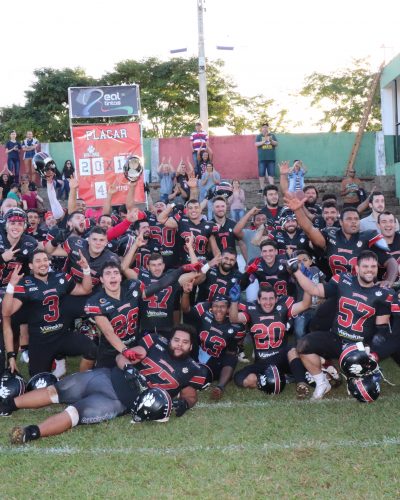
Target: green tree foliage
169, 93
342, 96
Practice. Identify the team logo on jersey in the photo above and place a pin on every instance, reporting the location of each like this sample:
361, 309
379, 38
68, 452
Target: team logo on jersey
230, 330
359, 244
278, 308
302, 240
207, 226
280, 268
135, 294
378, 293
103, 301
25, 251
62, 281
185, 370
230, 229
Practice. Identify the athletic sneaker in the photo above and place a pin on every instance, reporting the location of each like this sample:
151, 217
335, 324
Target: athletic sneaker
320, 391
217, 393
302, 390
21, 435
5, 407
61, 369
242, 357
25, 356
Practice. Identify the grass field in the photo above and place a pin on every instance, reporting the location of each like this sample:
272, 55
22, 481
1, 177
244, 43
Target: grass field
247, 446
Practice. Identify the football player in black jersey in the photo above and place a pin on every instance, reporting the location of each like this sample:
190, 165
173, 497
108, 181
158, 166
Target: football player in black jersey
41, 294
225, 236
165, 237
193, 222
267, 319
362, 309
105, 393
34, 225
269, 269
217, 338
290, 238
329, 216
343, 245
387, 226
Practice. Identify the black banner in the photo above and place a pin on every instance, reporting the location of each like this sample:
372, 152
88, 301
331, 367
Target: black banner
101, 102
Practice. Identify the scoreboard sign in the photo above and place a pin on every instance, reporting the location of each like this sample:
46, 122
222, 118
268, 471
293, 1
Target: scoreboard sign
100, 153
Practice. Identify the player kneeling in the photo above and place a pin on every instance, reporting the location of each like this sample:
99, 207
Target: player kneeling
106, 393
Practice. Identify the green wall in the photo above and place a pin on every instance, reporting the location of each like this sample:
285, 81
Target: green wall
328, 154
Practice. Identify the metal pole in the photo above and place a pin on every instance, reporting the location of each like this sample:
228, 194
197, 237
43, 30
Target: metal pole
202, 68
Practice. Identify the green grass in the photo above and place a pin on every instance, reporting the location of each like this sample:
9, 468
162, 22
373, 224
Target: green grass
247, 446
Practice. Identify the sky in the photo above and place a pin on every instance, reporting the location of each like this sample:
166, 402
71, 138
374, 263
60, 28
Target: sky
276, 44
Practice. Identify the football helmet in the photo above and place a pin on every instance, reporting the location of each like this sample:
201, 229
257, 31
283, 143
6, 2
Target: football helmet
11, 385
152, 404
286, 216
16, 214
365, 389
41, 380
223, 189
43, 163
355, 362
271, 381
133, 168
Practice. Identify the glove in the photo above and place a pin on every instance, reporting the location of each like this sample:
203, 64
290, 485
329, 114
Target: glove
131, 354
134, 378
59, 238
252, 268
189, 268
180, 406
292, 264
234, 293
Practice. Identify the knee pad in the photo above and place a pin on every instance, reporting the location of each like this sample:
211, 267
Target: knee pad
73, 415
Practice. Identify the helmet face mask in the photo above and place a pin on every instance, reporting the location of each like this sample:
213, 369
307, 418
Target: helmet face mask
224, 190
43, 163
133, 168
16, 215
152, 404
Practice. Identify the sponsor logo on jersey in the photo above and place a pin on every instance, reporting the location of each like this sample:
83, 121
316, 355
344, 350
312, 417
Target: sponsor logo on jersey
33, 289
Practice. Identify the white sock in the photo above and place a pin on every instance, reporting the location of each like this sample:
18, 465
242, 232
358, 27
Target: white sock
320, 378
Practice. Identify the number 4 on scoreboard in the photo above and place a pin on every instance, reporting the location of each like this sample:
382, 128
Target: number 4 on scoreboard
100, 190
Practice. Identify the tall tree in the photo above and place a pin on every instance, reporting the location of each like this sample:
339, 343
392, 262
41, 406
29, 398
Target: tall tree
342, 96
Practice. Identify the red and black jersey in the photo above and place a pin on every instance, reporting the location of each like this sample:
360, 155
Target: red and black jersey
395, 311
26, 246
167, 372
72, 246
224, 235
215, 338
167, 242
267, 330
394, 251
273, 216
142, 254
156, 312
201, 232
217, 283
342, 253
43, 300
299, 241
123, 313
357, 307
39, 235
276, 276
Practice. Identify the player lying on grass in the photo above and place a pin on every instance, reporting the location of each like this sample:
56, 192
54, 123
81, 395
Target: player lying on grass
105, 393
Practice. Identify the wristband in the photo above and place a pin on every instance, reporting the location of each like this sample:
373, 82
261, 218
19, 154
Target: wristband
86, 271
205, 268
11, 354
123, 350
10, 288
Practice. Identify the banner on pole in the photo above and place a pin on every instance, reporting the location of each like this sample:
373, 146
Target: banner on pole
100, 153
103, 102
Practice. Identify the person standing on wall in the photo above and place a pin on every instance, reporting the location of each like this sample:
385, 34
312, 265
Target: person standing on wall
266, 144
30, 146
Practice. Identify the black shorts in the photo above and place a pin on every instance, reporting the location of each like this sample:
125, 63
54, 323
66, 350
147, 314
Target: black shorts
216, 364
42, 354
325, 344
279, 358
92, 394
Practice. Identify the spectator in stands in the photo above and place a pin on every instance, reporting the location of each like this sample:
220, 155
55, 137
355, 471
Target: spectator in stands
209, 179
181, 192
204, 156
66, 174
237, 201
296, 176
377, 205
350, 189
13, 148
30, 146
30, 195
6, 180
167, 175
199, 139
266, 144
15, 193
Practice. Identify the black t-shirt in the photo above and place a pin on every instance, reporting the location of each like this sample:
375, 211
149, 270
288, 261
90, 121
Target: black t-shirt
26, 246
224, 235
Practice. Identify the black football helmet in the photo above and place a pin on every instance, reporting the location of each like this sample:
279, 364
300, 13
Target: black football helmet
152, 404
43, 163
223, 189
133, 168
11, 385
16, 214
355, 362
41, 380
365, 389
271, 381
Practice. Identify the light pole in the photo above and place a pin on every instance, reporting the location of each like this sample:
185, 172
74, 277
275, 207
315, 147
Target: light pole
203, 100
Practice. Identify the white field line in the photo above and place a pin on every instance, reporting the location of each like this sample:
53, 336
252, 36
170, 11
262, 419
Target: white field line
260, 448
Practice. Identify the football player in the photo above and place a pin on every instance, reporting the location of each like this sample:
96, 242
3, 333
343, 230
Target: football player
362, 309
105, 393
